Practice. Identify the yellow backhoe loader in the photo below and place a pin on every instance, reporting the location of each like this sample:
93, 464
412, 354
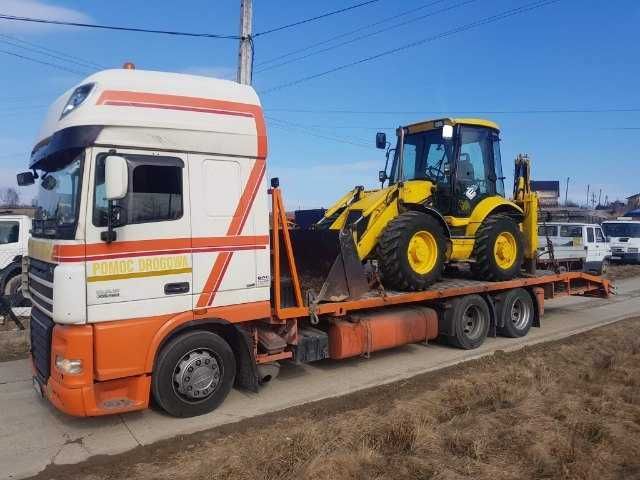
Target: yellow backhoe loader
444, 201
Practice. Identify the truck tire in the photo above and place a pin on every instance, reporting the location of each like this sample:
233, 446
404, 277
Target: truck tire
469, 318
515, 313
498, 249
411, 252
194, 373
11, 286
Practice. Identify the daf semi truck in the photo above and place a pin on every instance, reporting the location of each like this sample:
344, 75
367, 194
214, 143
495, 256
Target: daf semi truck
160, 262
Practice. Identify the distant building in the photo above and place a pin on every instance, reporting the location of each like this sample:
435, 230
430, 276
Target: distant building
633, 202
548, 192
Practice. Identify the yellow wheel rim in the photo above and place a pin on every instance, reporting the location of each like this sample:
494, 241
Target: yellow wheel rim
422, 252
505, 250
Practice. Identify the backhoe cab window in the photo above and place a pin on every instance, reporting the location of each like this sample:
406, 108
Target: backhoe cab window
426, 157
476, 174
154, 195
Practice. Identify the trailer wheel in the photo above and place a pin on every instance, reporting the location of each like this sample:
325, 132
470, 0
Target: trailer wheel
194, 373
515, 313
470, 318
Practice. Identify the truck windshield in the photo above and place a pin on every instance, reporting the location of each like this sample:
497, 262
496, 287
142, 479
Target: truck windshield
621, 229
57, 201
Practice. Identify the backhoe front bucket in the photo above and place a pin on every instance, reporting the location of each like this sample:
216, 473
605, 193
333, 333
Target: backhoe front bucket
328, 262
347, 278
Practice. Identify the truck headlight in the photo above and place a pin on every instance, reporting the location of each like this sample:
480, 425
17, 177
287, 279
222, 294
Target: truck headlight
78, 96
68, 365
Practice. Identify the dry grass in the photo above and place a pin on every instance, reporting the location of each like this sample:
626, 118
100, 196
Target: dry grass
562, 411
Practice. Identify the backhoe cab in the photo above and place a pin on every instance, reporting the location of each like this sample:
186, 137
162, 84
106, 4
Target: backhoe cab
444, 201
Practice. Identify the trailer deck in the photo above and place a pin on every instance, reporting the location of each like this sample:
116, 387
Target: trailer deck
553, 284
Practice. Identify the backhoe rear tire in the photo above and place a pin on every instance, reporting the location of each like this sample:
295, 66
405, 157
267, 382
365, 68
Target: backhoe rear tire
411, 252
498, 250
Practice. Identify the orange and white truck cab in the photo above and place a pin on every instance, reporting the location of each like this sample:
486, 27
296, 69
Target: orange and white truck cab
187, 238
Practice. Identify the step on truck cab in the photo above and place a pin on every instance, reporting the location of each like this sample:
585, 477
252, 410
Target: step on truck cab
154, 269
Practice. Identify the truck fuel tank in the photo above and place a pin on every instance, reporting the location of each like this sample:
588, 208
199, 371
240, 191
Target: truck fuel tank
368, 332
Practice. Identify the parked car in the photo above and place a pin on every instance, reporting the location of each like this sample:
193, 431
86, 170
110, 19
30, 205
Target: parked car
14, 237
624, 236
576, 246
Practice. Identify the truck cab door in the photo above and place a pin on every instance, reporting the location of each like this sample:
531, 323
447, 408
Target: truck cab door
591, 246
604, 251
147, 270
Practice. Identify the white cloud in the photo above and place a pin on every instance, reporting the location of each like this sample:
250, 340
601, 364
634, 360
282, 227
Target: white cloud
228, 73
37, 9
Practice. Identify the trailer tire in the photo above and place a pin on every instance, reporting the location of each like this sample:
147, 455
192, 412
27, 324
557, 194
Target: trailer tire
212, 365
470, 318
515, 313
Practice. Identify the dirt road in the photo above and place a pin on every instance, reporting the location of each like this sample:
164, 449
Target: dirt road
569, 409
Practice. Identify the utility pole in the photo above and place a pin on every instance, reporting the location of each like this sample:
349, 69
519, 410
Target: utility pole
566, 193
588, 195
599, 197
245, 51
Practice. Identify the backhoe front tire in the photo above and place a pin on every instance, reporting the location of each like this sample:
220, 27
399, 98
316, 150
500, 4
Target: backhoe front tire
498, 250
411, 252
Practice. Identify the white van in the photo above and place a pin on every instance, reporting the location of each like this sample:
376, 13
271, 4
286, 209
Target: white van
576, 246
624, 236
14, 237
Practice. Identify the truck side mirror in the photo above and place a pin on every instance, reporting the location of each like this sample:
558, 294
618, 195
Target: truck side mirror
116, 177
25, 178
382, 176
381, 140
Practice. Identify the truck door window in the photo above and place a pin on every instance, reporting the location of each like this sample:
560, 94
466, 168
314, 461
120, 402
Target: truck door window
599, 236
590, 237
154, 195
9, 232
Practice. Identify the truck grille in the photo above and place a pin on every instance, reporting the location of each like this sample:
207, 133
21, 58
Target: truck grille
41, 292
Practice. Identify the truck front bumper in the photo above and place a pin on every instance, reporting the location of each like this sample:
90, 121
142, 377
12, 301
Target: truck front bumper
625, 257
102, 398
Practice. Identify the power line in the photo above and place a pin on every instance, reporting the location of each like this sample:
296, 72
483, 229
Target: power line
295, 127
463, 28
50, 51
371, 34
313, 19
460, 112
49, 55
42, 62
351, 32
115, 27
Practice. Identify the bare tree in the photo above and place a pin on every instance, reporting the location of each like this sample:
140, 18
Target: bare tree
9, 197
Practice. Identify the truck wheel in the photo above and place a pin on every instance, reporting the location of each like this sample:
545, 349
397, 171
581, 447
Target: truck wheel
469, 317
194, 373
12, 288
515, 312
604, 267
411, 252
498, 249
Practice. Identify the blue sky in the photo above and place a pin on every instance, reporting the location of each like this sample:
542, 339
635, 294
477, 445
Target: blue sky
571, 55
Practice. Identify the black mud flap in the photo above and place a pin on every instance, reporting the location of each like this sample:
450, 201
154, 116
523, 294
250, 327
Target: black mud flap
347, 278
